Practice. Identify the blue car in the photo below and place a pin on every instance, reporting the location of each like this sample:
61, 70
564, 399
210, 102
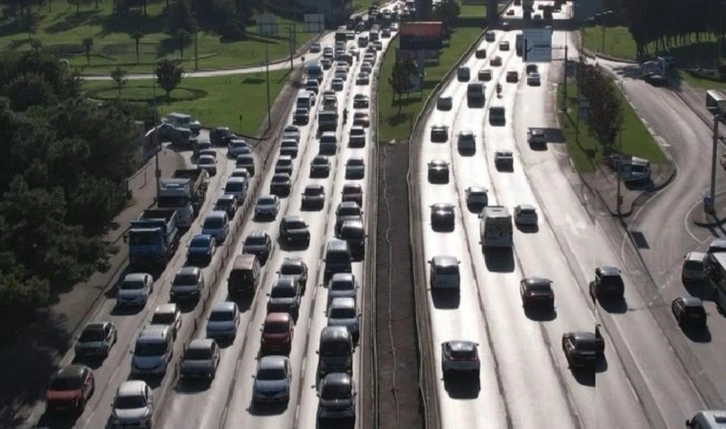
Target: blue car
201, 249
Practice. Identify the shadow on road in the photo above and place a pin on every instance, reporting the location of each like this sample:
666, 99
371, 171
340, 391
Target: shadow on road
499, 260
462, 387
619, 306
540, 314
336, 424
697, 335
58, 420
584, 376
191, 387
445, 300
528, 229
601, 364
267, 409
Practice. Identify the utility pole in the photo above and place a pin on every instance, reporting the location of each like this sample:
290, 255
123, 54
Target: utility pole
267, 84
157, 145
720, 31
716, 120
291, 43
196, 51
564, 99
620, 150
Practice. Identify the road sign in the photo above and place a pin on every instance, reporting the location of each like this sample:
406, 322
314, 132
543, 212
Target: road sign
314, 23
537, 45
267, 24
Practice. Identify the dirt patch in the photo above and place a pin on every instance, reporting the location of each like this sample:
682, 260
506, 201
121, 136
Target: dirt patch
398, 375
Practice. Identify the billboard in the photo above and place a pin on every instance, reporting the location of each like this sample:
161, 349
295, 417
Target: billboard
415, 79
420, 35
537, 45
267, 25
585, 9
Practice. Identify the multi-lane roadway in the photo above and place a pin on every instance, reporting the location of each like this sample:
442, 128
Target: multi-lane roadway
525, 377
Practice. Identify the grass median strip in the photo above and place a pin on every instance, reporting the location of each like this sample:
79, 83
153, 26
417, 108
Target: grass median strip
63, 30
396, 119
239, 101
587, 152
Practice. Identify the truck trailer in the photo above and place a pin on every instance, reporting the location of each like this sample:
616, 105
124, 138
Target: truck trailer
153, 238
495, 227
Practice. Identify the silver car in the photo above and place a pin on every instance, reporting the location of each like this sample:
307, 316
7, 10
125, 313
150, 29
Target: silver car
133, 405
200, 360
342, 285
168, 315
525, 214
267, 206
135, 290
272, 380
343, 312
223, 321
209, 163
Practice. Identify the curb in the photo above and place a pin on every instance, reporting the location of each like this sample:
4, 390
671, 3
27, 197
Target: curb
718, 222
643, 197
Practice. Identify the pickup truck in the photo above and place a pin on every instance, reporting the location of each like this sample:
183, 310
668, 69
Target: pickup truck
178, 136
153, 238
185, 191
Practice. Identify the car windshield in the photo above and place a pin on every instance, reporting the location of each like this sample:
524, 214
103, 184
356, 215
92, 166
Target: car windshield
199, 241
447, 269
332, 391
526, 211
349, 190
611, 280
163, 319
313, 191
357, 132
213, 223
150, 349
206, 161
276, 328
255, 241
271, 374
185, 279
342, 313
132, 285
335, 348
244, 160
320, 161
266, 201
91, 335
349, 211
539, 287
462, 354
130, 402
221, 316
280, 179
234, 186
694, 265
66, 383
198, 354
355, 162
282, 292
477, 194
284, 162
329, 139
341, 285
291, 269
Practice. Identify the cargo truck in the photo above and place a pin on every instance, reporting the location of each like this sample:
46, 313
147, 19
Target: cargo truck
153, 238
185, 191
495, 227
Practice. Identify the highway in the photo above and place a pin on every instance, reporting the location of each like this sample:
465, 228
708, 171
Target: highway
664, 219
233, 383
226, 402
525, 377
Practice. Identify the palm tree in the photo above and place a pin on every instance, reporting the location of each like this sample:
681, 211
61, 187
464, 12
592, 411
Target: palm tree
137, 36
87, 45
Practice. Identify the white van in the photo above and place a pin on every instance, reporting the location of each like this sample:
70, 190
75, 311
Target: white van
694, 267
305, 99
444, 273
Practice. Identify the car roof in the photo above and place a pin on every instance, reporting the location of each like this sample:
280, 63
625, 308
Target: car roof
284, 281
224, 306
691, 301
466, 133
136, 277
278, 317
537, 281
201, 344
477, 188
257, 233
216, 214
343, 302
343, 277
293, 260
166, 309
503, 153
583, 336
315, 186
334, 332
202, 236
70, 371
526, 207
462, 345
291, 218
352, 224
608, 270
442, 206
154, 331
272, 362
445, 260
95, 326
236, 180
189, 270
352, 186
131, 388
696, 256
338, 379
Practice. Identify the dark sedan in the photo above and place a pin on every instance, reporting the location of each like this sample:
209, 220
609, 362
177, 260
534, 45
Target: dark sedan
582, 348
442, 216
280, 185
689, 311
227, 203
438, 171
96, 340
201, 249
537, 291
320, 167
313, 198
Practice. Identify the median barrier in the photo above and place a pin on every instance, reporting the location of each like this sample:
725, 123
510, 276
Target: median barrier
427, 375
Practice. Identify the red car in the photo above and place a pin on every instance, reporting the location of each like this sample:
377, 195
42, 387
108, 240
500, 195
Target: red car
277, 333
70, 389
361, 119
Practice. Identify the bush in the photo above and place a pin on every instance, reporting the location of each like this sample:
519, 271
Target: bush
233, 30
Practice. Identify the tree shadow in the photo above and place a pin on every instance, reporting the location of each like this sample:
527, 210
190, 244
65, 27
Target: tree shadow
407, 101
462, 386
499, 260
70, 20
25, 380
60, 420
131, 23
397, 119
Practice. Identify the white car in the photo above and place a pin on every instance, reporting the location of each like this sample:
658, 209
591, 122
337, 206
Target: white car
209, 163
133, 405
267, 205
694, 267
459, 356
135, 290
525, 214
167, 315
223, 321
238, 147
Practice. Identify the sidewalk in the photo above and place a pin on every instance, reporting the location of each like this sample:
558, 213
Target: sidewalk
27, 363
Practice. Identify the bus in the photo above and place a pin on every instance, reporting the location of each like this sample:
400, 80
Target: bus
716, 276
495, 227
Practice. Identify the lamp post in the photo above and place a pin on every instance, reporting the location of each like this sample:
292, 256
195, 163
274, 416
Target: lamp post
267, 85
716, 119
157, 146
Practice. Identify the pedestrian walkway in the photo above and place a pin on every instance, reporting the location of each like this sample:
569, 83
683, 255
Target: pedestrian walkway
27, 363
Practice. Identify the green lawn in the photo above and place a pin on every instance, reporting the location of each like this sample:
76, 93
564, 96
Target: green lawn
361, 5
618, 41
215, 101
700, 82
63, 30
397, 119
588, 153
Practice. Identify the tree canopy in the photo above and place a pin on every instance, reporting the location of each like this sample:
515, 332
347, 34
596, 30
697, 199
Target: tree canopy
62, 179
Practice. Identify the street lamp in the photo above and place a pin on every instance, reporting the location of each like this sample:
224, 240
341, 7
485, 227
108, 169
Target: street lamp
157, 146
712, 195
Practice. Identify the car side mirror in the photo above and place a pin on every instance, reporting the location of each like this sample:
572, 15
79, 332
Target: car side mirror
317, 352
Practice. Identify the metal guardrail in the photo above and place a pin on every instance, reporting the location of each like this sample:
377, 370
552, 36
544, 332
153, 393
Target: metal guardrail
427, 369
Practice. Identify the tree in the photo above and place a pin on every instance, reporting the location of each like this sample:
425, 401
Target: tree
137, 36
447, 11
87, 45
400, 78
169, 75
180, 17
118, 75
605, 115
36, 45
28, 89
183, 38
